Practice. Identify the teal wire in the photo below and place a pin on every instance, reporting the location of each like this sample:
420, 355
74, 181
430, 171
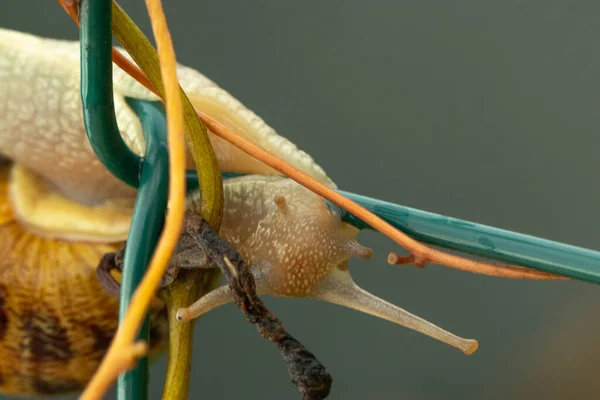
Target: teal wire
97, 92
151, 174
470, 238
146, 225
477, 239
482, 240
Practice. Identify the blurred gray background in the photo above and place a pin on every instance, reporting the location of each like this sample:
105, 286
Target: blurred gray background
483, 110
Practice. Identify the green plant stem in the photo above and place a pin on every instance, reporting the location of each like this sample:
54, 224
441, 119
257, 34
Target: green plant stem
196, 134
192, 285
189, 286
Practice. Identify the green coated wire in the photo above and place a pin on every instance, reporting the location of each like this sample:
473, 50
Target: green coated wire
97, 94
482, 240
477, 239
150, 174
146, 225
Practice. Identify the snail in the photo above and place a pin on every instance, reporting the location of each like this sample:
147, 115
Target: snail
61, 210
298, 246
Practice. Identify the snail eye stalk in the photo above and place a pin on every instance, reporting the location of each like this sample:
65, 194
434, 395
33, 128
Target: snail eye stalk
339, 288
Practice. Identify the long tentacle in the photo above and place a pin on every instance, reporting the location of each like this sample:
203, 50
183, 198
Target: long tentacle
339, 288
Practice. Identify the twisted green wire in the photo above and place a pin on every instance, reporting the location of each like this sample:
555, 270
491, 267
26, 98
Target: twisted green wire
146, 225
97, 94
150, 174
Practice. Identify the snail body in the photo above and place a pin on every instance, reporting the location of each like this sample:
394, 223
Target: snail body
298, 246
41, 129
61, 210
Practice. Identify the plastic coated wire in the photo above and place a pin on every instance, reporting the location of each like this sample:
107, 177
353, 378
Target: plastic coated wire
471, 238
150, 174
146, 225
477, 239
97, 94
481, 240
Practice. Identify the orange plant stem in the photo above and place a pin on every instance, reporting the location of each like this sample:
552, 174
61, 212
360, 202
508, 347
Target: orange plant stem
418, 250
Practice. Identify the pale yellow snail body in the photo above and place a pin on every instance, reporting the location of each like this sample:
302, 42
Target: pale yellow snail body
59, 197
297, 246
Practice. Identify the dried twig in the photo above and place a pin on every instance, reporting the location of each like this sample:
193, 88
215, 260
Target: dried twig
475, 266
307, 373
200, 246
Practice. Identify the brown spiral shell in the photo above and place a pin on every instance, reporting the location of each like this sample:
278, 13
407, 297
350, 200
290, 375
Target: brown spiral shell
56, 321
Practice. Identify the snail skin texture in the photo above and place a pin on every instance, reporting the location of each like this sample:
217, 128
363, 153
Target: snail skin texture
61, 210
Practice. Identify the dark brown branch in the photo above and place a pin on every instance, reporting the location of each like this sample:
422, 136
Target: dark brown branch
200, 246
308, 374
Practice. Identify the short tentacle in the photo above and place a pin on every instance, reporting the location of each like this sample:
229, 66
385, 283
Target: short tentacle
355, 249
214, 299
223, 295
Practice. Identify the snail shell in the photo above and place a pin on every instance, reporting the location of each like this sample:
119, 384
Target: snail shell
56, 321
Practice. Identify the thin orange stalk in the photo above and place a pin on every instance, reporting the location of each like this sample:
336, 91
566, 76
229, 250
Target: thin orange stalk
415, 247
71, 8
114, 363
418, 250
423, 254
